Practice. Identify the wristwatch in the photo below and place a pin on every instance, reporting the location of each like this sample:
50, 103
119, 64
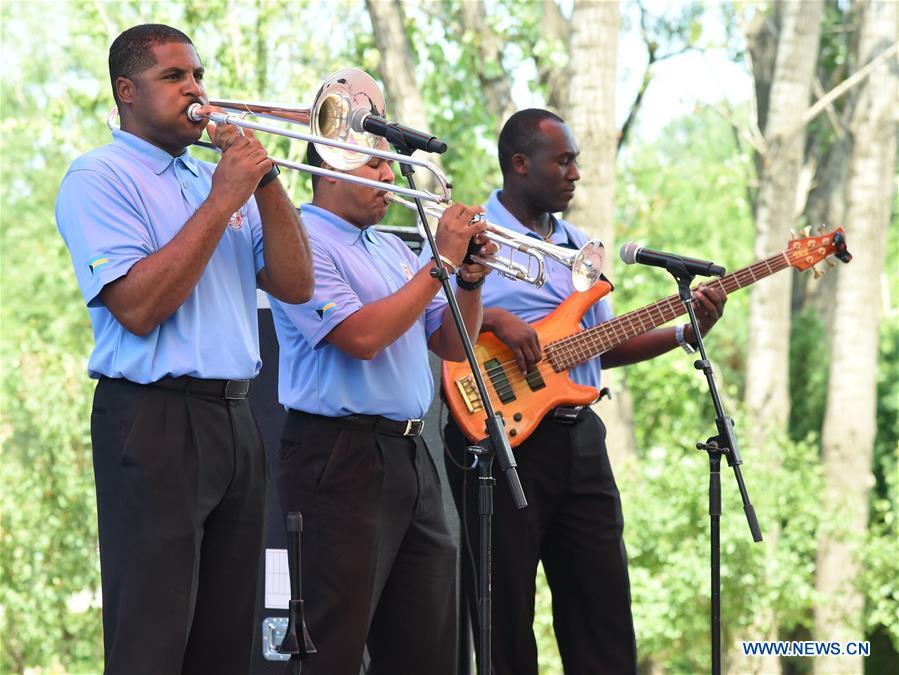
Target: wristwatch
273, 173
469, 285
679, 336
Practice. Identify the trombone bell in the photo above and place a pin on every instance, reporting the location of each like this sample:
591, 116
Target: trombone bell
329, 117
340, 94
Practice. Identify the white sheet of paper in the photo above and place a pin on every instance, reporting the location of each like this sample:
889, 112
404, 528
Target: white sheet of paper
277, 579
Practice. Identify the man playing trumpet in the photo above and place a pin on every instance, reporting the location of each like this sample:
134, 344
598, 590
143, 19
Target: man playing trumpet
378, 561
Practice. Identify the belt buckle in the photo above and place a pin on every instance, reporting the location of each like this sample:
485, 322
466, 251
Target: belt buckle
567, 414
236, 389
413, 427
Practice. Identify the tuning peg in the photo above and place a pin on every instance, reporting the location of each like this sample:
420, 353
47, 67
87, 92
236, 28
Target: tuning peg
792, 233
806, 231
821, 229
830, 264
817, 272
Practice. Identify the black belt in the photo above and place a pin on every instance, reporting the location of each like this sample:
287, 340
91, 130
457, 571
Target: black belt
567, 414
227, 389
405, 428
409, 428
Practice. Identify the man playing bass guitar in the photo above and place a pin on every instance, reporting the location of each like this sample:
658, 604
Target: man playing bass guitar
573, 522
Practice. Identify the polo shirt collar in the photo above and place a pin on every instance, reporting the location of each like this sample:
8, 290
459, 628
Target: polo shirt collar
156, 159
505, 218
337, 227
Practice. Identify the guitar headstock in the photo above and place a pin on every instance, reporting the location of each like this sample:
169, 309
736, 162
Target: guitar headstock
805, 252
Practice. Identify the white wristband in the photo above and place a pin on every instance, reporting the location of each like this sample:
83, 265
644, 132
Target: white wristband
681, 341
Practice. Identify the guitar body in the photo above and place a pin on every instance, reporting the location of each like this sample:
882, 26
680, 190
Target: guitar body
522, 402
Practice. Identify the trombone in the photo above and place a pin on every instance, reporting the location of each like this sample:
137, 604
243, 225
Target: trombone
585, 264
333, 130
334, 121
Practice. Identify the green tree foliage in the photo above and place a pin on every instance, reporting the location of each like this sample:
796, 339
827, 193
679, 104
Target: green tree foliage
686, 191
49, 563
881, 550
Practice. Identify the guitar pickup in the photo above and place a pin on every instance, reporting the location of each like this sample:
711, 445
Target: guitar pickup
500, 380
469, 392
535, 379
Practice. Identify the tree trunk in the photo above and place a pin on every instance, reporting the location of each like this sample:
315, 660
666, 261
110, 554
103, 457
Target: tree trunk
761, 38
767, 390
494, 81
786, 41
557, 29
590, 112
825, 207
397, 70
397, 67
850, 421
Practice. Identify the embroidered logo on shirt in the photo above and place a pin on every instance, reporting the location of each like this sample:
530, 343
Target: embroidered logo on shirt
324, 308
407, 272
236, 220
97, 263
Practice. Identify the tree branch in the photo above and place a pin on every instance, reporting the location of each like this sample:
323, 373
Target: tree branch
843, 87
651, 48
557, 29
818, 90
496, 88
635, 107
756, 140
653, 58
757, 144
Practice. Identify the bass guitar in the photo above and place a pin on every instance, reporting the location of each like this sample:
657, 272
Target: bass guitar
523, 400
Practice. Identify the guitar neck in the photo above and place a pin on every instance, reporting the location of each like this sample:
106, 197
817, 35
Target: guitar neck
579, 348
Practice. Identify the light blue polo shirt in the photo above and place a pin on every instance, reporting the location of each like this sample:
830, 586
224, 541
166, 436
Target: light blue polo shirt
353, 268
126, 200
531, 303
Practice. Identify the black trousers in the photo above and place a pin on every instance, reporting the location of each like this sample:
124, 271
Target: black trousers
573, 524
378, 561
180, 500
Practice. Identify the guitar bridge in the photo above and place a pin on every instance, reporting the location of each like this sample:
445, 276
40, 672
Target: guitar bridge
469, 391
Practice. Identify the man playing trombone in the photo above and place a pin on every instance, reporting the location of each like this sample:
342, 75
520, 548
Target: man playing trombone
573, 522
168, 252
378, 561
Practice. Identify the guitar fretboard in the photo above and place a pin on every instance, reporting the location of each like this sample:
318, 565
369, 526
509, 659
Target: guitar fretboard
573, 350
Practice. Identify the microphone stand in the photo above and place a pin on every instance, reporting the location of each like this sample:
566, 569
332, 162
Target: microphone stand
724, 443
299, 649
496, 445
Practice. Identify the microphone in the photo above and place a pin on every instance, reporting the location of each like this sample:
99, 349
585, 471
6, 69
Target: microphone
361, 120
634, 253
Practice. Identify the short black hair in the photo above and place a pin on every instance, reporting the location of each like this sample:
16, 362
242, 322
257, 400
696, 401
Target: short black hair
313, 159
521, 135
130, 53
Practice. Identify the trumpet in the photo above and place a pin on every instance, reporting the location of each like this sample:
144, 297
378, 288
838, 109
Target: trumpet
585, 264
332, 120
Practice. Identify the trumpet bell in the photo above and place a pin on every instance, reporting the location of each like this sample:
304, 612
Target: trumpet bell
331, 116
586, 267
